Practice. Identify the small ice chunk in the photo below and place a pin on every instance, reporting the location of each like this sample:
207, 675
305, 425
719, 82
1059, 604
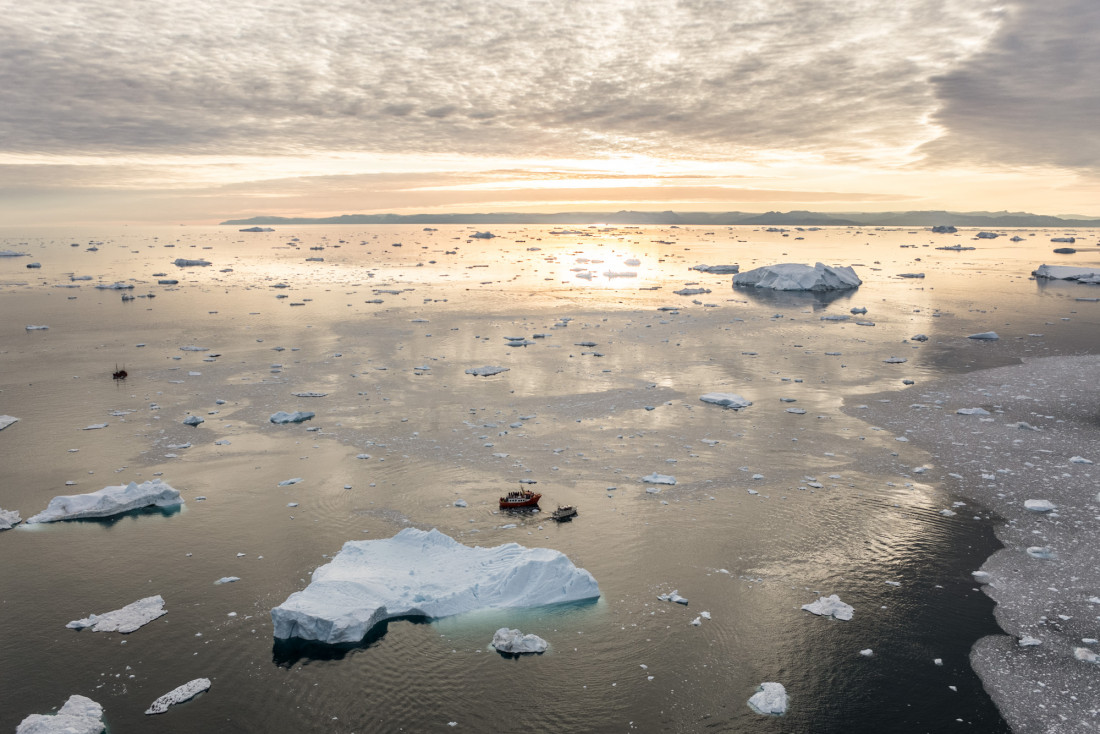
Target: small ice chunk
1042, 552
178, 695
288, 482
460, 503
1028, 641
827, 606
78, 715
95, 427
514, 642
656, 478
770, 698
972, 411
1079, 460
129, 618
309, 394
982, 577
226, 580
193, 420
486, 371
867, 652
7, 420
1039, 505
726, 400
9, 519
985, 336
1086, 655
674, 597
298, 416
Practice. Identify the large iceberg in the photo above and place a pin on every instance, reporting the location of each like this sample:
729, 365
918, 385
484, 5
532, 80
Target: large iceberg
799, 277
109, 501
425, 574
79, 715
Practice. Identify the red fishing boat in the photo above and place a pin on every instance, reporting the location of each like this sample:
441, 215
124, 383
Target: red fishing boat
520, 498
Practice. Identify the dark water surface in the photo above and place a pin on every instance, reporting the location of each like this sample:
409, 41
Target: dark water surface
839, 508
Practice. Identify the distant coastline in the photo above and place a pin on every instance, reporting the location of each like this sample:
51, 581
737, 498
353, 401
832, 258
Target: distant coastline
775, 219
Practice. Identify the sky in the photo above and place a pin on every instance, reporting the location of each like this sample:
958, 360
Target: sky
145, 111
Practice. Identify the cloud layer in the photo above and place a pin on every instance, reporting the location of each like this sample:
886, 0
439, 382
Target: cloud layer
681, 79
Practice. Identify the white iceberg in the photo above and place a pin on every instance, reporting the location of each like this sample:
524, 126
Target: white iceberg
297, 416
726, 400
1067, 272
799, 277
178, 695
830, 606
656, 478
79, 715
514, 642
7, 420
770, 698
129, 618
109, 501
9, 519
485, 371
426, 574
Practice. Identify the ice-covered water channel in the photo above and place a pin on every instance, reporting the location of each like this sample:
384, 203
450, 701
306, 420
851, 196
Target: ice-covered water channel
802, 495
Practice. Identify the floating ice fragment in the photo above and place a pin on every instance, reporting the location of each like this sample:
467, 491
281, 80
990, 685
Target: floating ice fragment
1067, 272
193, 420
918, 338
178, 695
827, 606
1042, 552
37, 328
1039, 505
1028, 641
982, 577
674, 597
1079, 460
486, 371
183, 262
131, 617
770, 698
460, 503
985, 336
288, 482
799, 277
79, 715
428, 574
94, 427
7, 420
109, 501
1086, 655
226, 580
895, 360
726, 400
972, 411
309, 394
867, 653
9, 519
298, 416
514, 642
656, 478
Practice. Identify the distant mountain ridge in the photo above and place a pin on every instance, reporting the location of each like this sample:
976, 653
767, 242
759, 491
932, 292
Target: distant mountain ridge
772, 218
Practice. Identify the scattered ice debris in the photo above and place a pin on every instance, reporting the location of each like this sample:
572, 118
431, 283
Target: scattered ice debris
770, 698
193, 420
288, 482
674, 597
9, 519
78, 715
514, 642
1042, 552
7, 420
985, 336
1039, 505
131, 617
109, 501
226, 580
486, 371
799, 277
1079, 460
656, 478
297, 416
424, 573
972, 411
185, 263
827, 606
726, 400
178, 695
1068, 272
309, 394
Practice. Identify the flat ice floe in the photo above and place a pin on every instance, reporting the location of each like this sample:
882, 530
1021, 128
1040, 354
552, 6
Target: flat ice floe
178, 695
770, 698
131, 617
7, 420
514, 642
9, 519
424, 574
109, 501
830, 606
799, 277
78, 715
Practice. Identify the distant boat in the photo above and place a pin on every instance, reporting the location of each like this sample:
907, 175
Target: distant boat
520, 498
564, 512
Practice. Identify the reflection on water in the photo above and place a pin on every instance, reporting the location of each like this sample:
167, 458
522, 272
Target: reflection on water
771, 508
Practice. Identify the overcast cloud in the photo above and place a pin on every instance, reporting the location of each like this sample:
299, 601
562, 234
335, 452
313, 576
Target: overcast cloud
707, 78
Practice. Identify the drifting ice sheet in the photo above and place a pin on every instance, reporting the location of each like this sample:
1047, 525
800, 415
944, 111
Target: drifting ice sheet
178, 695
79, 715
799, 277
109, 501
832, 606
425, 574
131, 617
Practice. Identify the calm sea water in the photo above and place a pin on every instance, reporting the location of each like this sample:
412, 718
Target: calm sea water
385, 321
